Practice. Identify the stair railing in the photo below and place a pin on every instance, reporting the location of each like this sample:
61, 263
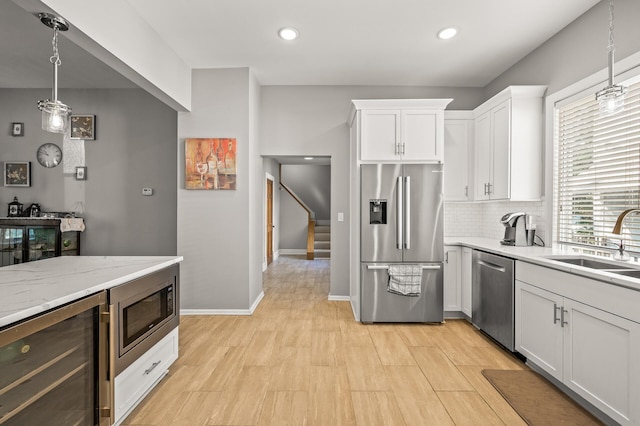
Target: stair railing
311, 216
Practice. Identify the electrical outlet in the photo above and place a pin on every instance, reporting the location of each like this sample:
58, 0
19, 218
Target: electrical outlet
147, 191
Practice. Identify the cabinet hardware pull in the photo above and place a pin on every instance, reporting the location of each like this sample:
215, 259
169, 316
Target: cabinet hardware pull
563, 311
555, 317
489, 188
466, 190
153, 366
403, 144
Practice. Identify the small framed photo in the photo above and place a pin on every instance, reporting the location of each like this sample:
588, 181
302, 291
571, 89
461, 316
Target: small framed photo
17, 173
83, 127
81, 173
17, 129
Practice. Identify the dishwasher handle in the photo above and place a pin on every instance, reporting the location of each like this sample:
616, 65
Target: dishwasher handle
491, 266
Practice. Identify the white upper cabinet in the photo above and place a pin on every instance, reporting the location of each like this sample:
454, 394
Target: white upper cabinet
458, 160
410, 130
508, 145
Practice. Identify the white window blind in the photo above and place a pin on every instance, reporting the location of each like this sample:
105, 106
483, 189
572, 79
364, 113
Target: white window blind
598, 172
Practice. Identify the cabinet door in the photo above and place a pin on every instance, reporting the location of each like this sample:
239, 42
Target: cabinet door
538, 327
380, 135
601, 360
418, 137
482, 164
465, 280
456, 159
452, 278
501, 154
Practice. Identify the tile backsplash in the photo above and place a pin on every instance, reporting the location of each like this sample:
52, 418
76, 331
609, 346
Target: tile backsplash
483, 219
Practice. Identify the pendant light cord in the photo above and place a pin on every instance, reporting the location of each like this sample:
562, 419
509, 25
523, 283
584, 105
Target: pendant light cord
611, 43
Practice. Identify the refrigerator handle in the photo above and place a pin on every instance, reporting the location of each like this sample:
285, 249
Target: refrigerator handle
407, 213
399, 214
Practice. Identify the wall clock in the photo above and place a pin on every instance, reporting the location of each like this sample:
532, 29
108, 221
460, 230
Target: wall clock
49, 155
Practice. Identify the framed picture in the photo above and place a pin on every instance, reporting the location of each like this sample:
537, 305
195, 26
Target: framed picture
83, 127
210, 163
17, 173
17, 129
81, 173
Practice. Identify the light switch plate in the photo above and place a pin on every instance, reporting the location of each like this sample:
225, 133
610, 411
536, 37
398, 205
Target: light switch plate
340, 217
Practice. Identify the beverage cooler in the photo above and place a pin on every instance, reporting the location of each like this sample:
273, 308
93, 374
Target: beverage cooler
51, 367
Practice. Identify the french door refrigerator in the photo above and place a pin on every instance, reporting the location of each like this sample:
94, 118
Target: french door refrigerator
401, 224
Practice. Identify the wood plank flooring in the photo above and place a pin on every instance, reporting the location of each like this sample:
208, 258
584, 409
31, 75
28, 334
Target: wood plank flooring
303, 360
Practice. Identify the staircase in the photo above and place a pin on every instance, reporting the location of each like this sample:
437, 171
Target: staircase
322, 241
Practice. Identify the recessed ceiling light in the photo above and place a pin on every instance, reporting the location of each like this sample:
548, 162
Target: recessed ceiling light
308, 158
288, 33
447, 33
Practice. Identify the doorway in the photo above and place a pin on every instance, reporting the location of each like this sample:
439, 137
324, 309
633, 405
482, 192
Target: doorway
269, 225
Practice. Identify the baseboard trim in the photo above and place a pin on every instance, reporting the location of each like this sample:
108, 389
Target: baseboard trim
339, 298
239, 312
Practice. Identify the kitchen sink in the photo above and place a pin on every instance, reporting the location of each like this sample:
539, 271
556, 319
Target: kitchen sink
588, 262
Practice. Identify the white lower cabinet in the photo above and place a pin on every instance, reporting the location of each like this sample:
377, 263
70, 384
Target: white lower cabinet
137, 380
452, 279
593, 352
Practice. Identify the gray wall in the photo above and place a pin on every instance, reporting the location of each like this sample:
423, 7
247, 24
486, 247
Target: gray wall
135, 148
312, 120
578, 51
219, 232
312, 184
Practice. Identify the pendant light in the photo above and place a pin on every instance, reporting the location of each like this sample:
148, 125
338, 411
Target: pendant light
611, 98
55, 114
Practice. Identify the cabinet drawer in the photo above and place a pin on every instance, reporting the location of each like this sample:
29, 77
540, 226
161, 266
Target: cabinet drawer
140, 377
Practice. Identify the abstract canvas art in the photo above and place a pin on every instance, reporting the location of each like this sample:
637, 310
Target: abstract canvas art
210, 163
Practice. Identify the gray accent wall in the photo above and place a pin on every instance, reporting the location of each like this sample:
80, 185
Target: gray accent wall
134, 148
220, 232
312, 184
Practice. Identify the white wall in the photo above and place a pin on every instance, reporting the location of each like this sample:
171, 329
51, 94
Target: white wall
216, 228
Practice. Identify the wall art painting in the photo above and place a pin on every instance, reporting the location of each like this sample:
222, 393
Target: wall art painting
210, 163
17, 173
83, 127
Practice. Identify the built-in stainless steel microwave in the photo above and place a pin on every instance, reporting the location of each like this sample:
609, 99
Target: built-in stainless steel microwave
142, 311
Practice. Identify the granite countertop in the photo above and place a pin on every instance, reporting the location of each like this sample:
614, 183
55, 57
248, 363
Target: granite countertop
540, 256
31, 288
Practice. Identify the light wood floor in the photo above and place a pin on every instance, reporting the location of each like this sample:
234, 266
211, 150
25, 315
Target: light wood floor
303, 360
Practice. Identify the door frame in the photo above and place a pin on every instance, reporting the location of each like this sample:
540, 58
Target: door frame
272, 179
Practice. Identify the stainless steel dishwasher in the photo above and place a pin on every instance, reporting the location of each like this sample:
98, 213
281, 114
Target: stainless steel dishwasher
493, 296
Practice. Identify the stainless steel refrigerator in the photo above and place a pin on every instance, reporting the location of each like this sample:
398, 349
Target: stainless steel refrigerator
401, 224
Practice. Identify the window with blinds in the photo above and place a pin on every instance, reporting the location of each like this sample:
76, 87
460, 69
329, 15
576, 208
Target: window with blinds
598, 172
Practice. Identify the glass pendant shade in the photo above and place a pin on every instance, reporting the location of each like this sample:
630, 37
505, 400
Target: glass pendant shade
55, 116
611, 100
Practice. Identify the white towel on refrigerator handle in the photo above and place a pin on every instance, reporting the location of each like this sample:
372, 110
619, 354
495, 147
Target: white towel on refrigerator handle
405, 280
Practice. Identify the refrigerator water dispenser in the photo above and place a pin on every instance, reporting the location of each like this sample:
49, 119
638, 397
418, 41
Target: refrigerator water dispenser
377, 212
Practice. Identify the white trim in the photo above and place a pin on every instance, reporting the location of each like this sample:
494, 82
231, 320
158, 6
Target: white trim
631, 67
336, 298
292, 251
238, 312
450, 114
268, 176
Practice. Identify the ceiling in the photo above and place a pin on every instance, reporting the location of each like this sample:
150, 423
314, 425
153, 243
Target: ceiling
353, 42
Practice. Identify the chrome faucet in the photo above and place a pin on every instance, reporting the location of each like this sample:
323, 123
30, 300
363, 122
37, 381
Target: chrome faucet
617, 229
